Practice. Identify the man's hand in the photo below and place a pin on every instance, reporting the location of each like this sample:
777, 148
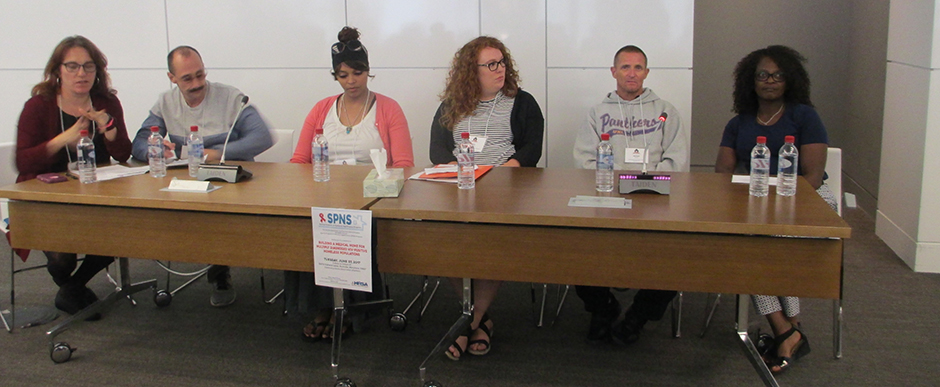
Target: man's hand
168, 149
213, 155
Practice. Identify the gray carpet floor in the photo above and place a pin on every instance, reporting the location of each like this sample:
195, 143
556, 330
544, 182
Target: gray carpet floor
890, 337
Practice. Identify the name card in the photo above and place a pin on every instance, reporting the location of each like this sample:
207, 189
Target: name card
177, 185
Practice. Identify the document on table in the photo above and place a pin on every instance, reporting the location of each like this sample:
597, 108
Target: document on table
447, 173
115, 171
746, 179
600, 201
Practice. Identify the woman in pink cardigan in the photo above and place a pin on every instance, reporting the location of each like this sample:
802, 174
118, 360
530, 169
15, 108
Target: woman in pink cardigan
354, 123
357, 120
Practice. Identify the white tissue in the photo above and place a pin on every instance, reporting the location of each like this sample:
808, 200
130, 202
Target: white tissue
379, 159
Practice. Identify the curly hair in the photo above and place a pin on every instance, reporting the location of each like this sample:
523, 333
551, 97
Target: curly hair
462, 90
49, 87
791, 64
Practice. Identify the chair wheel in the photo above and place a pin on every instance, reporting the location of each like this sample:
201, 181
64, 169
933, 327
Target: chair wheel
344, 382
398, 322
61, 352
432, 383
162, 298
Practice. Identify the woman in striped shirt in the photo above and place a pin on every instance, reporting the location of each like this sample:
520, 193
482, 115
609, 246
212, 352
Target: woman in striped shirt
482, 97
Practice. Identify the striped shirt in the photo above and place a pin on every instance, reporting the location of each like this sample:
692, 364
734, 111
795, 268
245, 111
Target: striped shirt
490, 119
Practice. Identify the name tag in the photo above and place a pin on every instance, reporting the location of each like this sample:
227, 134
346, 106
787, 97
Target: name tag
344, 162
478, 143
634, 156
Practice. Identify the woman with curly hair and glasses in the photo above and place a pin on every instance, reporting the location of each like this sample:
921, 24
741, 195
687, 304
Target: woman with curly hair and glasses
482, 97
771, 98
75, 95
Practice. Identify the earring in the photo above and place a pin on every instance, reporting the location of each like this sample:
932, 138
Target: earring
96, 80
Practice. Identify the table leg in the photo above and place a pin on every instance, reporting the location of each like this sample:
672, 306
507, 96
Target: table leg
749, 349
339, 309
837, 328
460, 326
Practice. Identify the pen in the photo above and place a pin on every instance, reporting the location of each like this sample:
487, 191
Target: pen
71, 176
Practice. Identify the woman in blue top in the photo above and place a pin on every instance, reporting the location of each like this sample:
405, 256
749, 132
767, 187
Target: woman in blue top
771, 98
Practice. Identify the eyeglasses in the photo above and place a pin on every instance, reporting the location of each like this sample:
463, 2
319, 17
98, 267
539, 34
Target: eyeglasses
493, 66
352, 45
73, 67
763, 76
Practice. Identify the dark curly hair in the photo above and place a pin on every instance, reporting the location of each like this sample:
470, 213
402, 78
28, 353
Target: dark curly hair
49, 87
462, 90
791, 64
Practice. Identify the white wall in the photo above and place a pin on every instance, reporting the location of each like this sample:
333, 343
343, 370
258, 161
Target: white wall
278, 52
907, 204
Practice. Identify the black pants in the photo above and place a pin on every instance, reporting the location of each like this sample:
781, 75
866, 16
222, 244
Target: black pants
648, 304
217, 272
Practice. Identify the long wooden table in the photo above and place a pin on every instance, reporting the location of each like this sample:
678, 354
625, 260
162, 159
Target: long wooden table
709, 235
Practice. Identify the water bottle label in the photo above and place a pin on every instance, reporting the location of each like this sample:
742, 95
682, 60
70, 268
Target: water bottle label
784, 164
464, 158
760, 163
605, 161
91, 155
321, 153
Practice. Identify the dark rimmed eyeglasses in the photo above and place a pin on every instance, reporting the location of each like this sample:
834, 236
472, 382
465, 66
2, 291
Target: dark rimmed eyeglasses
73, 67
352, 45
764, 76
493, 66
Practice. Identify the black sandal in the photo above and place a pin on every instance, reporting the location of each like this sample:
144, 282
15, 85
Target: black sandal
489, 336
460, 351
783, 363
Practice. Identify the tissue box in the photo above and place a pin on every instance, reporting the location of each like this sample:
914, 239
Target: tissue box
372, 187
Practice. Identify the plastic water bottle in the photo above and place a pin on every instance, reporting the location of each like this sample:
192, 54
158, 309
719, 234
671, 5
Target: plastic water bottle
196, 151
86, 159
155, 153
466, 178
604, 176
788, 165
321, 157
760, 167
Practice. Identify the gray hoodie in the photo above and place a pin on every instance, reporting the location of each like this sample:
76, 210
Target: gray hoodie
667, 145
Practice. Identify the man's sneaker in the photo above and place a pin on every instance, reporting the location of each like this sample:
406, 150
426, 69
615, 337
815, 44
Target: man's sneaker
601, 322
628, 331
223, 294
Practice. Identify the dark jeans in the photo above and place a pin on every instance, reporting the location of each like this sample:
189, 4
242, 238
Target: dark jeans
61, 267
648, 304
217, 272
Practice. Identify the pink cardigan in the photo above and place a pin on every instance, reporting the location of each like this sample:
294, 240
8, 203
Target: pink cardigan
389, 121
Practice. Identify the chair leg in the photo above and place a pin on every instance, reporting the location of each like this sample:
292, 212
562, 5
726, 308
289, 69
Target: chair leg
264, 296
711, 313
677, 316
561, 302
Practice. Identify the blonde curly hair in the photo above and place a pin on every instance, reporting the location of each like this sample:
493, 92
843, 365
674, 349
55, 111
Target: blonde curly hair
462, 90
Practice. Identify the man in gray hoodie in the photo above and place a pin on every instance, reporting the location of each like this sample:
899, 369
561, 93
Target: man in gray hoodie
633, 117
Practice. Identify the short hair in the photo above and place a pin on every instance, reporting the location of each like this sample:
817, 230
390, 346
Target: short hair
49, 86
184, 51
790, 62
462, 89
631, 48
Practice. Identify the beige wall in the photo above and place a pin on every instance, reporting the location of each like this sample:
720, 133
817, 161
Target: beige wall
845, 43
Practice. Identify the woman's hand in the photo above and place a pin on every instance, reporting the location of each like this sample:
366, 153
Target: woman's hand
511, 163
102, 119
68, 138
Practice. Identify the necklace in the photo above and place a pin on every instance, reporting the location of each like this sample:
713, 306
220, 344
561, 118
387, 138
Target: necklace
362, 113
767, 123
